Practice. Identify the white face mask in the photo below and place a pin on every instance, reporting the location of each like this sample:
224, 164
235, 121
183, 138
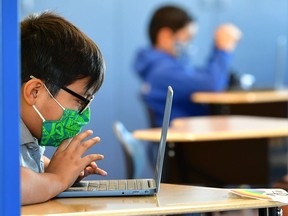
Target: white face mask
182, 45
181, 48
185, 53
193, 29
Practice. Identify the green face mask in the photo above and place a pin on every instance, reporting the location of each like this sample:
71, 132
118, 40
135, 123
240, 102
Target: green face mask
68, 126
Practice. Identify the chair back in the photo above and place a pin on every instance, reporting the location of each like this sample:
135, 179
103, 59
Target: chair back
134, 150
149, 112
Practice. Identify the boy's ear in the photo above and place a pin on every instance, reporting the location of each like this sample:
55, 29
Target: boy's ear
31, 90
165, 40
165, 34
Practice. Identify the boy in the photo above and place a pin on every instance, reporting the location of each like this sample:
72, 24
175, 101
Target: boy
166, 61
61, 71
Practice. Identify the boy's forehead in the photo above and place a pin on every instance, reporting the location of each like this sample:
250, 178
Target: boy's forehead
187, 32
80, 86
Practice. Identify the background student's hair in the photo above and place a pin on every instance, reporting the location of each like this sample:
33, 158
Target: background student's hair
169, 16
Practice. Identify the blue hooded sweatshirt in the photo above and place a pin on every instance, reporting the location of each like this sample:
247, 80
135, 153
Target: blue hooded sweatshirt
157, 69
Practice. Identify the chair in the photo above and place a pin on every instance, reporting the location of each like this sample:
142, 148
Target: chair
134, 150
152, 148
149, 112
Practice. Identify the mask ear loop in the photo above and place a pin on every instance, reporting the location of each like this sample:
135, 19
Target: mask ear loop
53, 97
32, 77
37, 111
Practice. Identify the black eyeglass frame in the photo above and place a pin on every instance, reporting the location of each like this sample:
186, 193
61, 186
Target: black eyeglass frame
85, 100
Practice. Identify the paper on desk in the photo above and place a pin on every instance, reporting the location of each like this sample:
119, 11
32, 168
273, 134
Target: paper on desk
278, 195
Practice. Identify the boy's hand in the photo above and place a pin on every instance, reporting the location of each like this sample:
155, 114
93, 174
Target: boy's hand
92, 168
227, 37
68, 160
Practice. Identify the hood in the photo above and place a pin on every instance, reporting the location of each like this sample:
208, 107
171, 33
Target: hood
145, 59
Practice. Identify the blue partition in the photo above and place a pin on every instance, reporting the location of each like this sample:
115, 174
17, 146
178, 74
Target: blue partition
9, 108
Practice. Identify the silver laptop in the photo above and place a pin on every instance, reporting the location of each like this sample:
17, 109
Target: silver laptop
127, 187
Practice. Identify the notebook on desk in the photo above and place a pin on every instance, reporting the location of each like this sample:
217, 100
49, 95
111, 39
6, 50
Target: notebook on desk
127, 187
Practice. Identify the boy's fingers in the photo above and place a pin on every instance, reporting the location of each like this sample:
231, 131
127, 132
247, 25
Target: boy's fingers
78, 145
83, 147
92, 157
63, 145
75, 141
82, 173
98, 171
93, 165
79, 138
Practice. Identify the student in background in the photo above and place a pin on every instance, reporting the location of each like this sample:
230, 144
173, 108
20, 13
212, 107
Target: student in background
61, 71
166, 62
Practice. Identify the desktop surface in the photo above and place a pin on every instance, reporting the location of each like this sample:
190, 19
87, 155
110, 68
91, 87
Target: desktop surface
222, 127
241, 97
172, 199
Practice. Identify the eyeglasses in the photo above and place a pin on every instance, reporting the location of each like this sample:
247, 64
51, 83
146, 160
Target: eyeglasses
86, 101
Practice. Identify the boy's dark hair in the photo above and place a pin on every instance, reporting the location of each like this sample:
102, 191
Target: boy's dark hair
169, 16
58, 53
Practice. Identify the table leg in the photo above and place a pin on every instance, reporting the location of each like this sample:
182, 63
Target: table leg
275, 211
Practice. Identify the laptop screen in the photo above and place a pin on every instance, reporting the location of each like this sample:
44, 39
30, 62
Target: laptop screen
162, 144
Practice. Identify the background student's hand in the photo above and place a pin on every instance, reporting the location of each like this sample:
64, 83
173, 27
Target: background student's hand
227, 37
68, 160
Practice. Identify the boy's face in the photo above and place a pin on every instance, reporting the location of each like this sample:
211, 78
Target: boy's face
34, 93
167, 38
187, 33
66, 99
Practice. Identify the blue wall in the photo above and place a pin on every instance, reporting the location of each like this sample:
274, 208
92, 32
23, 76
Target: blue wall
119, 28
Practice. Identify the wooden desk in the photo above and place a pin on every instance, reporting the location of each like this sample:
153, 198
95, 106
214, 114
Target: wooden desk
238, 97
273, 103
219, 150
172, 199
212, 128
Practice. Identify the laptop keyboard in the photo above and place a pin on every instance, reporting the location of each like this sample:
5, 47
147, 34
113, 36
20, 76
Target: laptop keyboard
103, 185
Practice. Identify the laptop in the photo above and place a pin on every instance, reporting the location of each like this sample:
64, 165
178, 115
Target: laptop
127, 187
